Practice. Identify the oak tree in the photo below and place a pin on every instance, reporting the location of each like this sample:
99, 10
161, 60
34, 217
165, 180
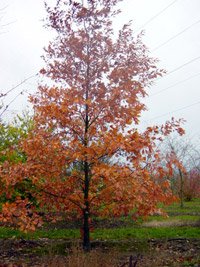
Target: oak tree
85, 155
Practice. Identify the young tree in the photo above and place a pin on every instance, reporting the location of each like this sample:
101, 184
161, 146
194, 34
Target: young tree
186, 167
191, 187
81, 158
10, 136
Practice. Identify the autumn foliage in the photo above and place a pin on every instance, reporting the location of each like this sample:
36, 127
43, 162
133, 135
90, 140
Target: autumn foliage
85, 156
192, 185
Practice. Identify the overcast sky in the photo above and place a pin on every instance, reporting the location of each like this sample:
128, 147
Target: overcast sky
172, 33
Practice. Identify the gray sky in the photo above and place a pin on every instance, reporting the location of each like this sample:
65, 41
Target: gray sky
177, 94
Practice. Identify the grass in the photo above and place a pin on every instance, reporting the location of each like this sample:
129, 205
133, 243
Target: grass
98, 258
95, 258
182, 218
190, 208
122, 238
190, 213
7, 232
107, 234
147, 233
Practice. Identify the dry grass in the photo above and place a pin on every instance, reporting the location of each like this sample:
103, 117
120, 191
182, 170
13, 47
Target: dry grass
156, 257
172, 223
77, 257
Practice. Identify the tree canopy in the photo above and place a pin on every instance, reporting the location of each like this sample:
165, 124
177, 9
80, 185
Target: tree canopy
85, 155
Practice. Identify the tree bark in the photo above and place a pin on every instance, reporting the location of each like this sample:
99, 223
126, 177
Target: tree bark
86, 211
86, 231
181, 187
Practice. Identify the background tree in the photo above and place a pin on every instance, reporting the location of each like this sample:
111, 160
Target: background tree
186, 167
11, 135
192, 184
82, 120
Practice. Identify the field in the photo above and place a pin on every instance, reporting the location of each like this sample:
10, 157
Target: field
158, 241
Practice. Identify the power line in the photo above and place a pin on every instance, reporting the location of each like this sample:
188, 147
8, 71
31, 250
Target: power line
173, 37
21, 93
158, 14
19, 84
174, 111
179, 67
171, 86
9, 23
183, 65
3, 8
2, 33
13, 110
7, 106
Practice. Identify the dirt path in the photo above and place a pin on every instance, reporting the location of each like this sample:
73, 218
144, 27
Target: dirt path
171, 223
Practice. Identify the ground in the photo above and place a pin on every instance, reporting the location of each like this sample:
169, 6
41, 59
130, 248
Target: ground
172, 241
179, 252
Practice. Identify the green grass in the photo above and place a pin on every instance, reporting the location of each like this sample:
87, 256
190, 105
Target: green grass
6, 232
184, 218
190, 213
190, 207
147, 233
108, 234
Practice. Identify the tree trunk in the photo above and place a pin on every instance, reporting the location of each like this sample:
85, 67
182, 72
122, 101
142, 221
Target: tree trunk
86, 231
86, 211
181, 187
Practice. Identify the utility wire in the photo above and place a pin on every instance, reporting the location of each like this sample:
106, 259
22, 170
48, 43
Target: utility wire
171, 86
19, 84
21, 93
174, 111
3, 8
155, 16
9, 23
13, 110
179, 67
2, 33
7, 106
183, 65
175, 36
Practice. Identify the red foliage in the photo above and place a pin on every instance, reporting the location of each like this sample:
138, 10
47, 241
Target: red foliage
191, 187
81, 159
